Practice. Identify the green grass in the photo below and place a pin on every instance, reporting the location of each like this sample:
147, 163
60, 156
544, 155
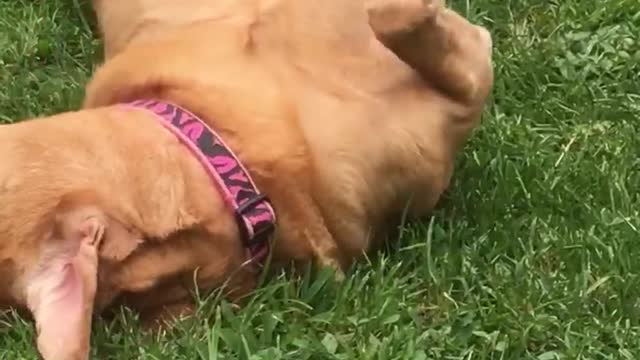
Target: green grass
533, 253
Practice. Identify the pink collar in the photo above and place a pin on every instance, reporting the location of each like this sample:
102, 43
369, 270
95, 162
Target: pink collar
253, 212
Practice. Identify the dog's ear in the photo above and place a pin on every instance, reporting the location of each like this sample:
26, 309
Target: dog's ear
61, 291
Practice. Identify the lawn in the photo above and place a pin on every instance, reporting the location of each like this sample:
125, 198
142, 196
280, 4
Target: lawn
531, 254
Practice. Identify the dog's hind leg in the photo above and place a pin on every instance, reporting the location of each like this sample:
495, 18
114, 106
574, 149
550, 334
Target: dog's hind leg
450, 54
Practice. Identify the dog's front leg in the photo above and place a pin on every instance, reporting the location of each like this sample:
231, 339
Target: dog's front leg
449, 52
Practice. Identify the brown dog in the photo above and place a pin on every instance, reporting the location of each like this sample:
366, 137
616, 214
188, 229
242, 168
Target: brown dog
344, 112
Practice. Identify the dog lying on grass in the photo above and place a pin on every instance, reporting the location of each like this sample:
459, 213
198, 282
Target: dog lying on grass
210, 122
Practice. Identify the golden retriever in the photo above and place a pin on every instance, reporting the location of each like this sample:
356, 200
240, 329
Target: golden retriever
345, 113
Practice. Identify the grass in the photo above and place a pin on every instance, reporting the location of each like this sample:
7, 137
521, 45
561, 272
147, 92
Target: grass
531, 254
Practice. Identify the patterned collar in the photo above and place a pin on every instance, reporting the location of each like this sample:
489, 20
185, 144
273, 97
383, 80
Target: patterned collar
254, 214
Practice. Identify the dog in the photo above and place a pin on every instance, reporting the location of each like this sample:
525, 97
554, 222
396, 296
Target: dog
340, 115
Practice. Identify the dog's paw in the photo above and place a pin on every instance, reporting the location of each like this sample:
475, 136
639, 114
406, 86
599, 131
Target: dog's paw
334, 265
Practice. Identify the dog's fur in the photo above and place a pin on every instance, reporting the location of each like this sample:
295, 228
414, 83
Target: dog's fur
344, 112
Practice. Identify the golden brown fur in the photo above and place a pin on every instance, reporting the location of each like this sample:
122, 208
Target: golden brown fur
344, 112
